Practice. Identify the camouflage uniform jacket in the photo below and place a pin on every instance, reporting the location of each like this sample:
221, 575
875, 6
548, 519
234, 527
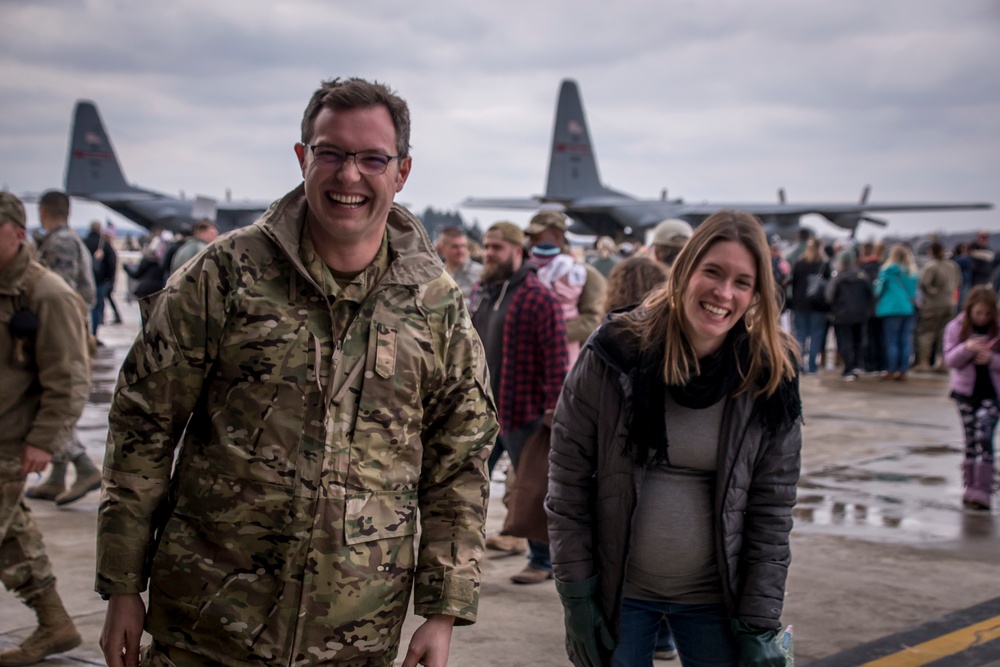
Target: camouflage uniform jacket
46, 380
288, 525
64, 252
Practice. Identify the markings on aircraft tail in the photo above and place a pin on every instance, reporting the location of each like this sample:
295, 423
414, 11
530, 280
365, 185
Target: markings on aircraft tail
92, 155
571, 148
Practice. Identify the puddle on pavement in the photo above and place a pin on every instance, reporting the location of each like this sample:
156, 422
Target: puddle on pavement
914, 496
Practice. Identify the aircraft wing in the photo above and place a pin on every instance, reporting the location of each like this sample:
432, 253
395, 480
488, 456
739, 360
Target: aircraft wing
837, 209
505, 202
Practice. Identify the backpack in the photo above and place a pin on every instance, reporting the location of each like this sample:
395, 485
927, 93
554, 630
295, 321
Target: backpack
24, 322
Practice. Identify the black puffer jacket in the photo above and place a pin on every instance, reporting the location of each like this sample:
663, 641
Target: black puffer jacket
594, 483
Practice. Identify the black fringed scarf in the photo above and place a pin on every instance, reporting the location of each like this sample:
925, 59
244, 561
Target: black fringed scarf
720, 375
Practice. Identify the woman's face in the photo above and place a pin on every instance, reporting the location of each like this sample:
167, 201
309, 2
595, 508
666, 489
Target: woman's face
980, 314
718, 294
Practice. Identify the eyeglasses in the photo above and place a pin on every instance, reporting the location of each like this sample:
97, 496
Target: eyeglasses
370, 163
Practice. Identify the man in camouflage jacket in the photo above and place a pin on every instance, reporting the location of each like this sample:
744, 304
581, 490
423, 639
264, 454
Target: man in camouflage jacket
321, 375
45, 366
65, 253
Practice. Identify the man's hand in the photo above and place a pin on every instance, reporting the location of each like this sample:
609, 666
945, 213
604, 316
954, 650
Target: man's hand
122, 630
431, 643
34, 460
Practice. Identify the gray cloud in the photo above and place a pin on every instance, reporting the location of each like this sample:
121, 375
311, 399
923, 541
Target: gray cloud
721, 101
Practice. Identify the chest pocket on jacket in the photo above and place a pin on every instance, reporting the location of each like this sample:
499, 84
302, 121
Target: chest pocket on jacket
385, 350
387, 449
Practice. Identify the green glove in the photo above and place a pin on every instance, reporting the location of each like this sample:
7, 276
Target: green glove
587, 632
758, 648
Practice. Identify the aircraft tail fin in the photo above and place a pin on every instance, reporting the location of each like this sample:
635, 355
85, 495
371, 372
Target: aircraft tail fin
92, 167
572, 164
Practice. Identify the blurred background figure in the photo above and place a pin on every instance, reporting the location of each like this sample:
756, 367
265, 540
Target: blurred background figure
849, 294
606, 257
453, 246
668, 238
631, 280
105, 262
938, 282
203, 232
809, 316
895, 293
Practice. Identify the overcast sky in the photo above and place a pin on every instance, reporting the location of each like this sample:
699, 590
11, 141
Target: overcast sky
721, 101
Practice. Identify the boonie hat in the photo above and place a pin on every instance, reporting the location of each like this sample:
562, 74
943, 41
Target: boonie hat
12, 209
546, 219
508, 232
673, 232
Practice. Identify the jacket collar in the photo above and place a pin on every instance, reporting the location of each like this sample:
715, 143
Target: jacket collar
412, 257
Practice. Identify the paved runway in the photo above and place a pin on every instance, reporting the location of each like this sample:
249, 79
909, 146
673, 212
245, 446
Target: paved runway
881, 547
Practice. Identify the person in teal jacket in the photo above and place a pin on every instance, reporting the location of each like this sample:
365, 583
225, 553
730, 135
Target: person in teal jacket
895, 293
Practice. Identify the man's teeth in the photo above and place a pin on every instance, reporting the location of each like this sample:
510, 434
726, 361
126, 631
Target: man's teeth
714, 310
349, 200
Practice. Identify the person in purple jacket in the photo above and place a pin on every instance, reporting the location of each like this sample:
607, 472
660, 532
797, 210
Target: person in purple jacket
970, 343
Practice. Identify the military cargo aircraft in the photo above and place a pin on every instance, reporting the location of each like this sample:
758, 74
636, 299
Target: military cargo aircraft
575, 188
93, 173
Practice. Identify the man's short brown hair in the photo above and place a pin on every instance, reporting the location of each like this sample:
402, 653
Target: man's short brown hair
55, 203
355, 93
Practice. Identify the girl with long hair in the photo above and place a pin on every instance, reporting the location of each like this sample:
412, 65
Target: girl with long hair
675, 456
970, 351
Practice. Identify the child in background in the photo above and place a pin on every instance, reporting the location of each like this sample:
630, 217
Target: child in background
565, 277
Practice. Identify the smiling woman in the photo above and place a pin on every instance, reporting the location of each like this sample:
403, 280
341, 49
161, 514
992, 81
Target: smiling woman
695, 387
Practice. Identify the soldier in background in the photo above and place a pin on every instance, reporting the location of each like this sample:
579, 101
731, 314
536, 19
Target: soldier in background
65, 253
321, 376
453, 246
203, 232
45, 367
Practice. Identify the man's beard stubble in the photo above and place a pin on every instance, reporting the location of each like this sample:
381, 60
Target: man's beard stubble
498, 273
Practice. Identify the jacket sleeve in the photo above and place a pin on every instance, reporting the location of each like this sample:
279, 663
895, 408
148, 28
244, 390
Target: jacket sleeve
956, 354
159, 384
460, 429
590, 305
63, 361
572, 468
766, 551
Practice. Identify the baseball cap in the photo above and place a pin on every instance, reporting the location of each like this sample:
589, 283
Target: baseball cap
546, 219
12, 209
508, 232
672, 232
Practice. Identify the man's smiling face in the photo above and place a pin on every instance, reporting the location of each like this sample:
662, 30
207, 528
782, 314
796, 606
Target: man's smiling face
346, 206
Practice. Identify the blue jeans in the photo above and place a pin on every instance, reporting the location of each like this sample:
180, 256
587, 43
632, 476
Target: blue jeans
97, 312
702, 634
810, 330
897, 331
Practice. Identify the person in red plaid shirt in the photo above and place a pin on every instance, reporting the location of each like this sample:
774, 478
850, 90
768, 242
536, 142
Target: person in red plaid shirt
524, 334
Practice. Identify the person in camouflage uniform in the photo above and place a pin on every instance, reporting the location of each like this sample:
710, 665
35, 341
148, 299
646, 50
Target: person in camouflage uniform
45, 368
65, 253
320, 372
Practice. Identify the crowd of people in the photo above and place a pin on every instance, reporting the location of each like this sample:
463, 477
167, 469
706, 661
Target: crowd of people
311, 394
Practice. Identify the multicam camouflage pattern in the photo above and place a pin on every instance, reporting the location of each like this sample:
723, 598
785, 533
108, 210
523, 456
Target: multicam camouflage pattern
45, 383
24, 567
65, 253
325, 422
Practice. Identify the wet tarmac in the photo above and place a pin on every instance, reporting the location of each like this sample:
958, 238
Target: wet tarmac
881, 541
